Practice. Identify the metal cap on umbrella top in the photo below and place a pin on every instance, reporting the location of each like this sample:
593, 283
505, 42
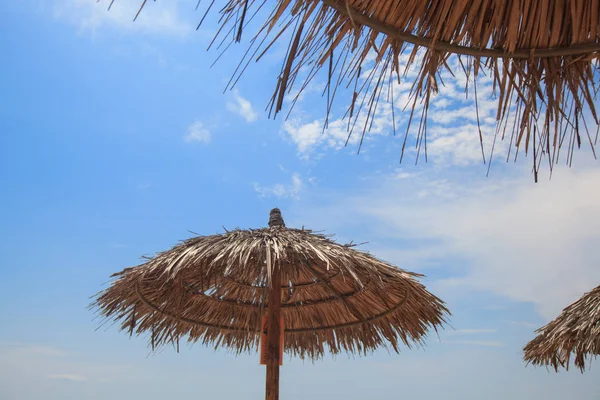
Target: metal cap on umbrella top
218, 289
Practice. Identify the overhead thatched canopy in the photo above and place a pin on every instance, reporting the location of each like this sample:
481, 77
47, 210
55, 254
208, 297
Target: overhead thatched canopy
541, 54
213, 289
576, 331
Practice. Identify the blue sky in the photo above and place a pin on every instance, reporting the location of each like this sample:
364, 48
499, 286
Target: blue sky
117, 141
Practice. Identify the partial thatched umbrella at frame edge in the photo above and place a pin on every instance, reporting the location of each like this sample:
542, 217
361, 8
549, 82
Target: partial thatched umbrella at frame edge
576, 331
542, 56
217, 289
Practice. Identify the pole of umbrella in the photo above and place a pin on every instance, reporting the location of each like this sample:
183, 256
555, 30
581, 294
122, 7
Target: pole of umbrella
273, 319
273, 336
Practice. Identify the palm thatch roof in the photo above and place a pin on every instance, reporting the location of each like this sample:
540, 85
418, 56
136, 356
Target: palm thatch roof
541, 54
576, 331
213, 289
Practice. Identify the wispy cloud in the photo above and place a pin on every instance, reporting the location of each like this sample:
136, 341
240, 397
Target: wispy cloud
523, 323
471, 331
280, 190
242, 107
155, 18
29, 349
535, 246
68, 377
484, 343
144, 185
309, 136
30, 362
197, 132
453, 125
523, 241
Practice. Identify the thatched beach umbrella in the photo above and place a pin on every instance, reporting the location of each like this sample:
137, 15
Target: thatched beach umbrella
286, 285
576, 331
542, 56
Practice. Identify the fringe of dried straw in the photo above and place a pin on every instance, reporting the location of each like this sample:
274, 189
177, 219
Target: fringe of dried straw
212, 289
576, 331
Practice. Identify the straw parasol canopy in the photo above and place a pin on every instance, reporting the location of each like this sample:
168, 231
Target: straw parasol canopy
576, 331
218, 290
542, 56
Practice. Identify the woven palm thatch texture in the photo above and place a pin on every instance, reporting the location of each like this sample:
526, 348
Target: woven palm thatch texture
213, 289
542, 56
576, 331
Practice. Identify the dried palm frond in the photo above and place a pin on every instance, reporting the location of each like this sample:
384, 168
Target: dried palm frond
575, 331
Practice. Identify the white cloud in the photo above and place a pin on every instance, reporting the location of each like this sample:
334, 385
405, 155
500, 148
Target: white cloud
197, 132
484, 343
242, 107
453, 125
291, 190
68, 377
527, 242
27, 349
28, 367
310, 136
524, 324
479, 371
156, 18
471, 331
531, 243
305, 135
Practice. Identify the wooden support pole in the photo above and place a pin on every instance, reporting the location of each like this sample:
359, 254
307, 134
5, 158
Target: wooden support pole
273, 335
273, 316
